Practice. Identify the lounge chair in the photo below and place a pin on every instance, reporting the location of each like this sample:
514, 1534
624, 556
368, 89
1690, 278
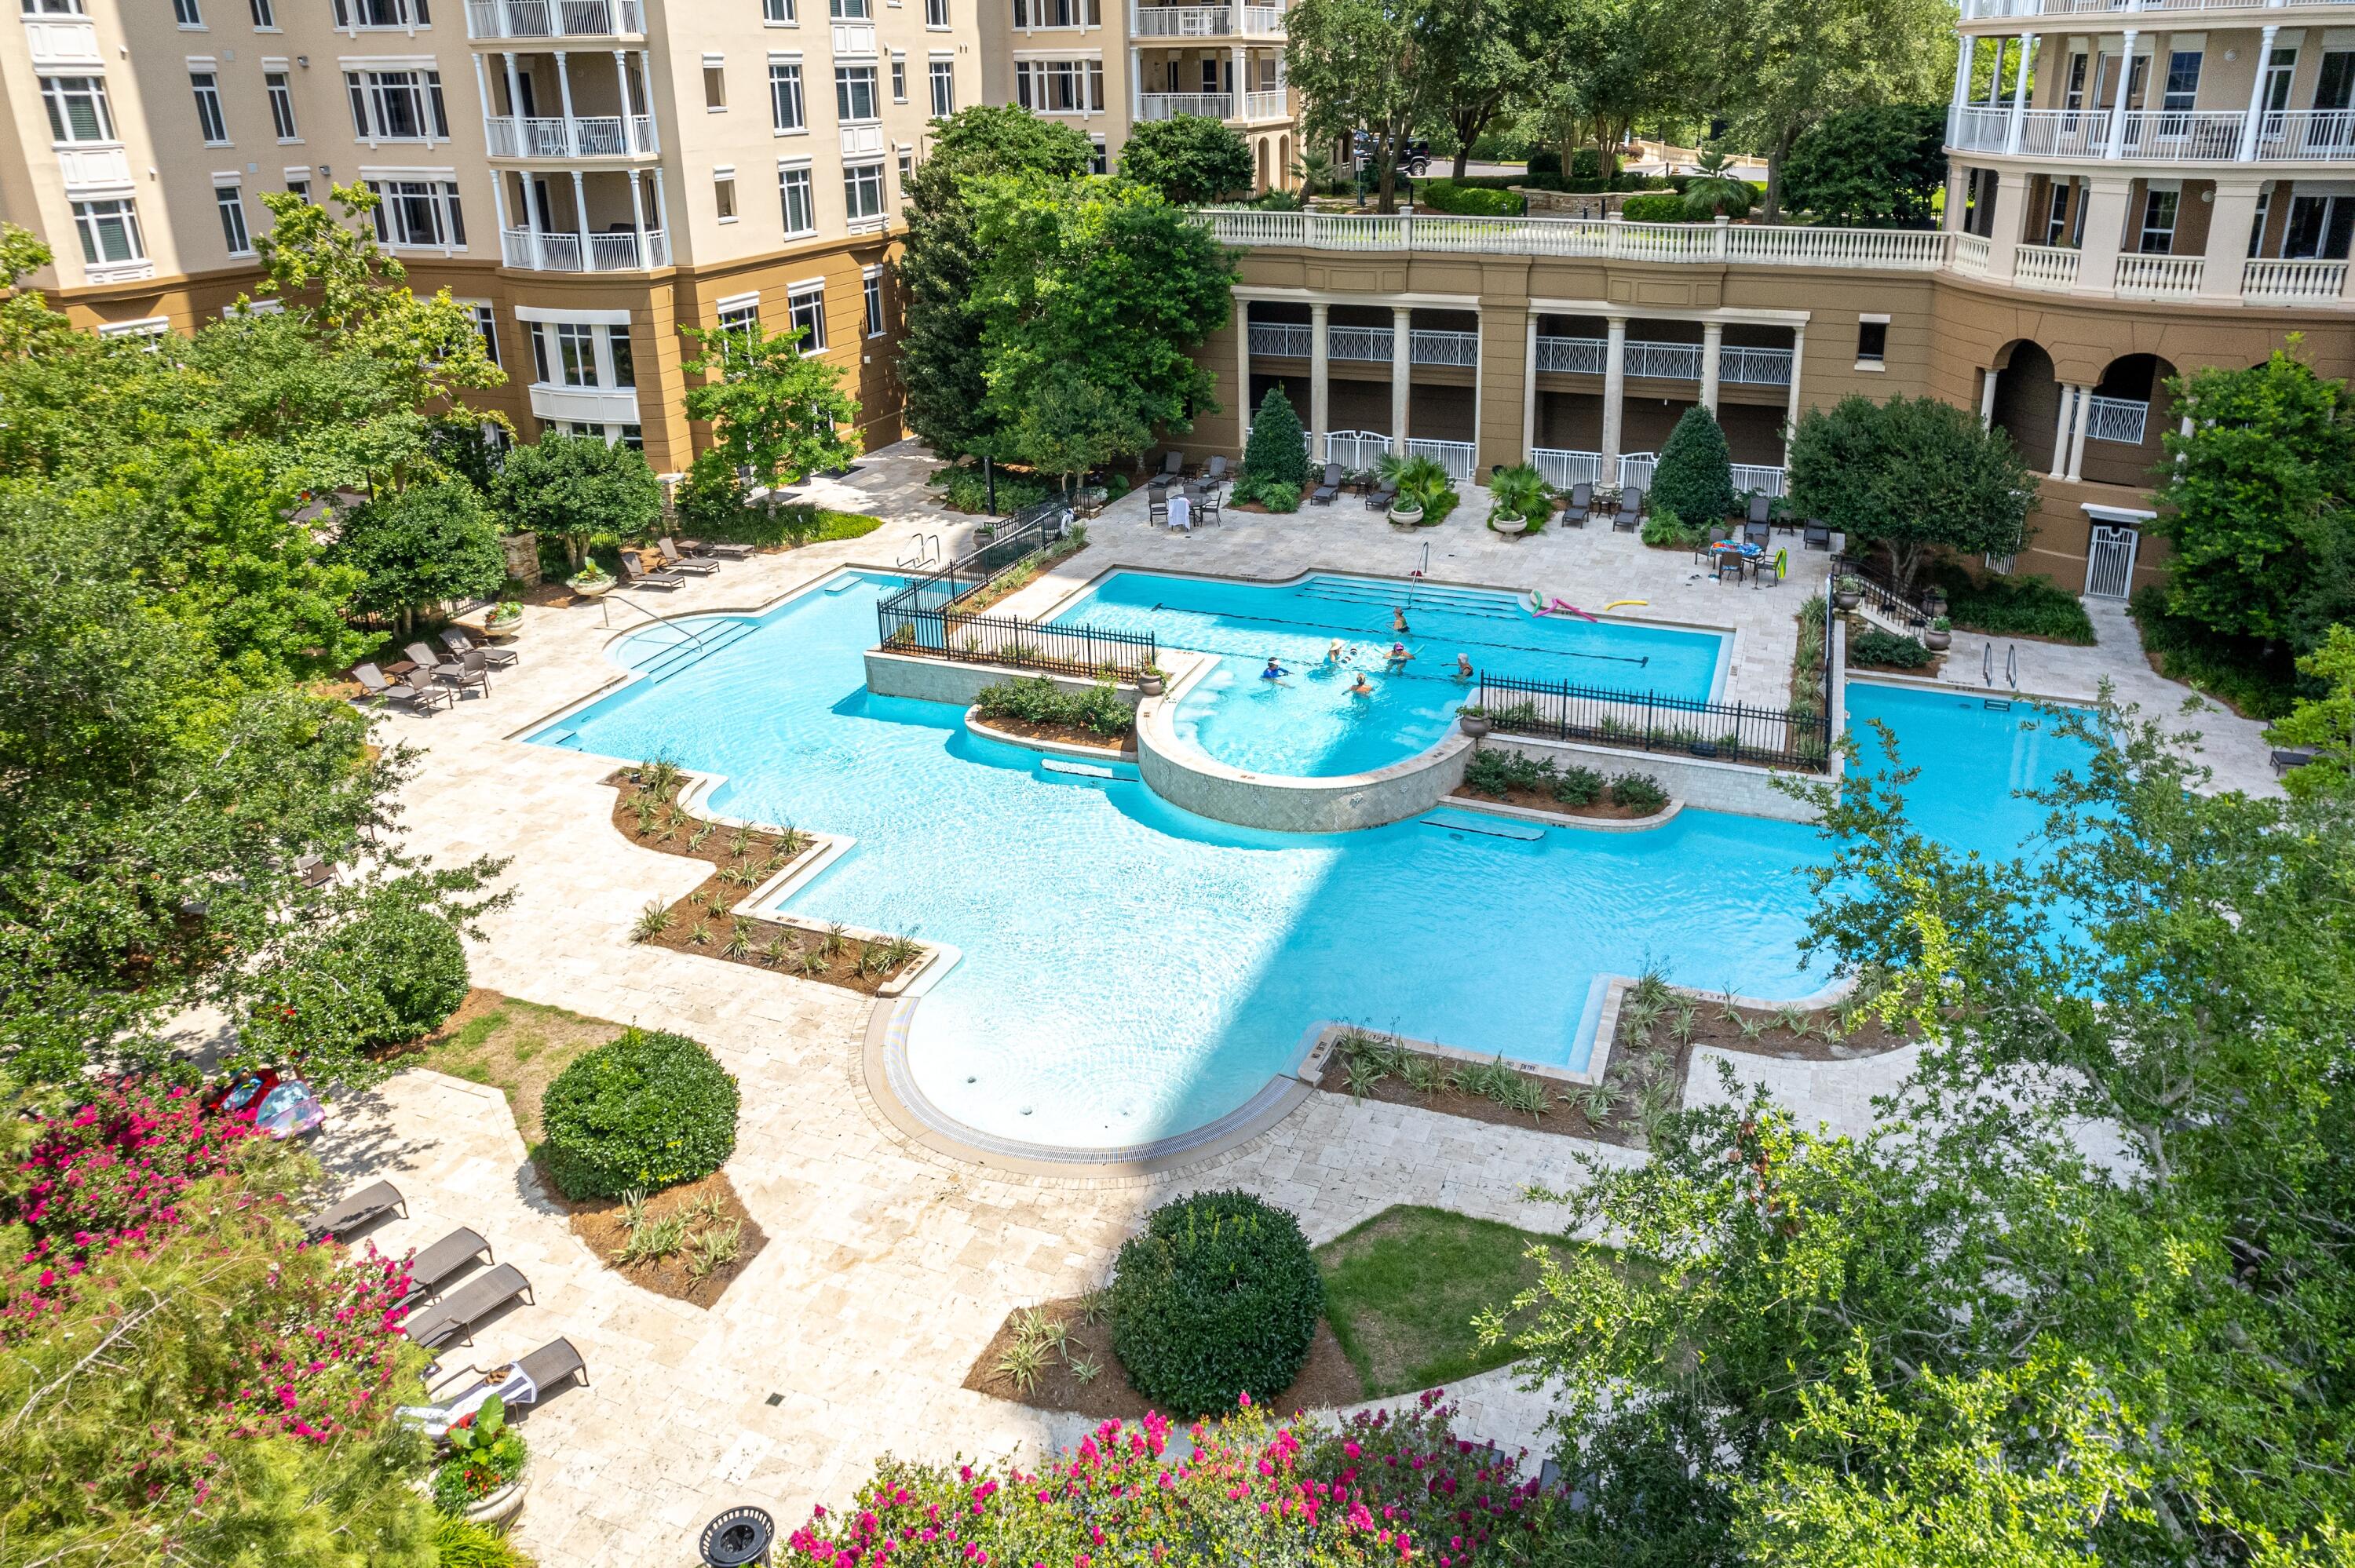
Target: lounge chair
675, 560
354, 1210
443, 667
374, 684
1814, 537
726, 552
1579, 507
461, 1309
425, 692
458, 642
1217, 471
1758, 534
1630, 514
1379, 497
1325, 492
434, 1267
552, 1364
636, 575
2285, 760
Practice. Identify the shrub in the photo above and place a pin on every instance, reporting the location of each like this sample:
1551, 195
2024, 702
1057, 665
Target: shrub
1578, 785
419, 547
967, 489
387, 976
1218, 1298
1520, 492
1191, 160
485, 1454
462, 1543
1639, 792
1887, 649
2014, 606
1667, 208
2258, 681
1695, 475
1874, 168
1421, 480
1664, 530
646, 1111
574, 487
1274, 458
711, 499
1467, 200
1586, 164
1035, 699
1495, 772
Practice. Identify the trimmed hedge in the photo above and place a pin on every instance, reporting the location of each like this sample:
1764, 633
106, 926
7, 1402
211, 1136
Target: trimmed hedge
1219, 1298
1887, 649
648, 1111
2013, 607
1464, 200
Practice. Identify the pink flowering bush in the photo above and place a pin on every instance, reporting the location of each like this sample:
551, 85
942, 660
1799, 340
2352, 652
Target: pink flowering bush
1381, 1490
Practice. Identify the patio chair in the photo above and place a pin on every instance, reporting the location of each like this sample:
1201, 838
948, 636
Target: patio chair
434, 1267
1771, 573
315, 870
458, 642
726, 552
1581, 506
421, 654
636, 575
1630, 515
1706, 549
1729, 563
1815, 536
1173, 463
354, 1210
1324, 494
2290, 758
1217, 471
1156, 509
677, 560
1379, 497
374, 684
425, 692
552, 1364
1205, 507
1758, 529
474, 670
1761, 509
459, 1311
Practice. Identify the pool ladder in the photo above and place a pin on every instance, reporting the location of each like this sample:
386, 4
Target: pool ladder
2010, 664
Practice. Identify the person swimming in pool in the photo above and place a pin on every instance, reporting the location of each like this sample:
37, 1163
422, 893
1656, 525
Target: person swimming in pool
1398, 622
1395, 660
1364, 688
1464, 666
1333, 654
1274, 672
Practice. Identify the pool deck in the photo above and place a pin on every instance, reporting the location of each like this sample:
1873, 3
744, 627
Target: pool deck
888, 1265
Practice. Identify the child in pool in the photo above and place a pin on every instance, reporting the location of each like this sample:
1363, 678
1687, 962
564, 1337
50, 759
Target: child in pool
1274, 672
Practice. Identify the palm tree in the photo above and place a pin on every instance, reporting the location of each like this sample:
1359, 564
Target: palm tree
1314, 170
1519, 491
1716, 191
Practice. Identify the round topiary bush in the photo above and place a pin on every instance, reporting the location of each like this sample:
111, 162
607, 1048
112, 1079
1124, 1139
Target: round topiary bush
1217, 1298
648, 1111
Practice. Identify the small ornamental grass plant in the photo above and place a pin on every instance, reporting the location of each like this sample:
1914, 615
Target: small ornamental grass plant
648, 1111
1219, 1298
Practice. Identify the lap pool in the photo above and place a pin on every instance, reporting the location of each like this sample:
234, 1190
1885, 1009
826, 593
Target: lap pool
1132, 972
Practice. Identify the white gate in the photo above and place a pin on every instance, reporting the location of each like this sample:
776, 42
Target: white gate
2109, 567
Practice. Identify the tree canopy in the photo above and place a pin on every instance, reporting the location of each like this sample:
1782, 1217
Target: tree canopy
1357, 64
419, 547
779, 414
1870, 168
575, 487
1911, 475
1188, 158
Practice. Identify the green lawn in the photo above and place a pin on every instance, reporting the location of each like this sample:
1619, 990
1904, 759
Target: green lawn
517, 1047
757, 527
1401, 1292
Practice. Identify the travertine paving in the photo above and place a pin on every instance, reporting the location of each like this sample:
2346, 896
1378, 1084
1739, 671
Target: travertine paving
888, 1267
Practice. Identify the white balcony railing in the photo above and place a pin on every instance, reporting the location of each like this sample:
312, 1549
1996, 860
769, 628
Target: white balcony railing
2293, 282
1456, 457
1563, 468
1741, 365
1988, 10
2207, 136
1208, 21
555, 18
2119, 420
556, 253
1357, 342
1275, 105
2307, 135
2064, 133
1763, 478
1971, 254
1356, 449
1292, 340
1664, 361
1283, 340
1737, 364
593, 136
1976, 128
2159, 277
1169, 105
2050, 267
1572, 356
1635, 468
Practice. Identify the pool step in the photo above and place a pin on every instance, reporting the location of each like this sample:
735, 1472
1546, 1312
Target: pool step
570, 737
1076, 769
693, 649
1470, 602
845, 585
1483, 824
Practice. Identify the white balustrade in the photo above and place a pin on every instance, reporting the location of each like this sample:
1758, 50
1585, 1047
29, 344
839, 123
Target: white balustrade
593, 136
2304, 283
2159, 277
1455, 457
1760, 477
1563, 468
1208, 21
2158, 136
1989, 10
2307, 135
1572, 355
1737, 364
2051, 267
1169, 105
1357, 342
1285, 340
555, 18
1971, 254
1978, 128
1885, 249
1273, 105
560, 252
2119, 420
1635, 468
1431, 347
2065, 133
1356, 449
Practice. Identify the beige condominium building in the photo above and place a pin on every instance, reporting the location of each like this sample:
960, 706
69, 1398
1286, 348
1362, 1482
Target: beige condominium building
589, 174
2162, 188
1102, 66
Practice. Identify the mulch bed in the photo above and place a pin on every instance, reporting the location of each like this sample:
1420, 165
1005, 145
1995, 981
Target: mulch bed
599, 1226
1566, 1120
841, 960
1327, 1380
1607, 811
1920, 671
1067, 735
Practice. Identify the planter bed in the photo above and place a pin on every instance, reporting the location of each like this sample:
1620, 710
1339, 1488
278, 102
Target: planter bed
1535, 800
598, 1224
1122, 747
1327, 1380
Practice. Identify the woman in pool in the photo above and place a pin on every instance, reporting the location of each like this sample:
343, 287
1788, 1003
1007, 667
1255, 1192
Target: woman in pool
1333, 652
1398, 622
1364, 688
1395, 660
1464, 666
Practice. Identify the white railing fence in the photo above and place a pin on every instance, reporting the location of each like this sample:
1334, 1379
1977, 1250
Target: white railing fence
1765, 478
2306, 134
555, 18
1664, 361
1971, 254
1356, 449
560, 252
2065, 133
2052, 267
1169, 105
2119, 420
1456, 457
2159, 277
2293, 282
1359, 343
1976, 128
1266, 105
1572, 355
1283, 340
592, 136
1563, 468
1744, 367
1635, 468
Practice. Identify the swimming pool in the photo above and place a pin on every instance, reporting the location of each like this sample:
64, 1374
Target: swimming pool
1307, 724
1130, 971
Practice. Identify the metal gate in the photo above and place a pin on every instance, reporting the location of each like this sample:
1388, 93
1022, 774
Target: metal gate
2109, 567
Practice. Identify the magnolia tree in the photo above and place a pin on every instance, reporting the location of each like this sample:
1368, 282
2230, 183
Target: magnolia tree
780, 415
1913, 475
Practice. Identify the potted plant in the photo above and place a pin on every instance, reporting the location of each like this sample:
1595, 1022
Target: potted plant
591, 580
484, 1475
1849, 591
1149, 681
1473, 720
1934, 601
504, 617
1941, 633
1407, 511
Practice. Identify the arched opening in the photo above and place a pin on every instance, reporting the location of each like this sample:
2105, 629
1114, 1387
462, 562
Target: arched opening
1261, 143
2028, 402
2131, 411
1284, 161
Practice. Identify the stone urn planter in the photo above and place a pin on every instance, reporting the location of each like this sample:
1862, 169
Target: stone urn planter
1149, 687
591, 588
1475, 724
1937, 638
502, 621
1847, 593
504, 1504
1511, 528
1406, 514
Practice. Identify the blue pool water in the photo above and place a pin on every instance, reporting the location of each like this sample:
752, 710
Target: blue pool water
1307, 724
1130, 972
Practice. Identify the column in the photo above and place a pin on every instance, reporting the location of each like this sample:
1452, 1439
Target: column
483, 88
2011, 221
2118, 107
580, 217
2077, 441
1242, 79
564, 92
662, 211
2019, 98
638, 211
622, 85
2106, 222
1791, 407
1987, 397
1479, 387
2257, 96
1994, 76
1243, 377
2232, 218
2061, 432
1530, 391
1136, 88
1402, 373
1712, 344
1615, 390
499, 205
1320, 385
1965, 58
515, 87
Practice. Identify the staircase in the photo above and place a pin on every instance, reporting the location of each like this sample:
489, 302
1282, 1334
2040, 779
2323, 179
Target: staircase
1883, 604
692, 648
1478, 603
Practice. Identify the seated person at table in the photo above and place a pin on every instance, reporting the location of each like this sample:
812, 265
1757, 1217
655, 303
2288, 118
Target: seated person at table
1464, 666
1398, 656
1274, 672
1364, 688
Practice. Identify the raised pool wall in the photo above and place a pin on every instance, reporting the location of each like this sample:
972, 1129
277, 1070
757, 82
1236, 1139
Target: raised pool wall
950, 680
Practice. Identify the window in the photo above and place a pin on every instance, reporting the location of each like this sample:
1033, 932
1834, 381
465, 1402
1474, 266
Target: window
1872, 340
786, 106
625, 364
2056, 219
1097, 164
55, 8
850, 10
396, 14
486, 323
538, 339
794, 191
723, 195
1210, 65
936, 13
2257, 227
282, 104
209, 124
1058, 12
77, 108
2075, 96
739, 314
898, 79
1063, 87
109, 232
230, 200
397, 105
806, 305
635, 438
778, 13
715, 86
186, 14
2158, 222
2319, 228
862, 191
576, 353
266, 14
875, 301
419, 213
944, 80
854, 94
2183, 81
907, 170
148, 329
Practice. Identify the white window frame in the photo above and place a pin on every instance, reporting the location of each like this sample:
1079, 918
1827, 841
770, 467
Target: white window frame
1040, 84
805, 309
212, 118
370, 88
870, 281
780, 13
56, 95
190, 16
265, 15
405, 16
278, 86
53, 8
149, 327
486, 327
228, 199
940, 79
858, 178
936, 16
88, 220
1872, 361
298, 180
847, 79
737, 311
899, 75
788, 90
807, 184
715, 75
394, 211
723, 178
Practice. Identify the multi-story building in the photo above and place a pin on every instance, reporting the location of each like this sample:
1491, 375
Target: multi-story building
2136, 191
1104, 68
591, 175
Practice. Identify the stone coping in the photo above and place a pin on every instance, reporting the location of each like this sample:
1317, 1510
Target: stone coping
1658, 819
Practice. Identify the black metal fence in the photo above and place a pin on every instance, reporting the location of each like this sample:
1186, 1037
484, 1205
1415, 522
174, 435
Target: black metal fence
1879, 593
1649, 721
1024, 534
943, 633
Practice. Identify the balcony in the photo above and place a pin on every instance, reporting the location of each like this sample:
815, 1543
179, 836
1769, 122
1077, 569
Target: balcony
495, 19
2053, 268
2159, 277
2293, 282
1994, 10
2119, 420
1214, 105
1737, 364
588, 137
1365, 345
552, 251
2159, 135
585, 404
1206, 22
